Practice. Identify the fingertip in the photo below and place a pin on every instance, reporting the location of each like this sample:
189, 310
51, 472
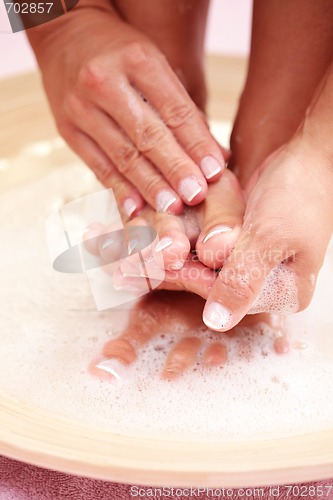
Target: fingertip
212, 168
90, 237
215, 245
132, 205
192, 190
168, 202
217, 317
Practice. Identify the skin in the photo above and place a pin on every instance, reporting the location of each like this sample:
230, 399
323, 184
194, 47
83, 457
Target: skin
291, 50
121, 107
184, 317
285, 110
278, 215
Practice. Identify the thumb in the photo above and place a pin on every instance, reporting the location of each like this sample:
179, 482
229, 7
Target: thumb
242, 278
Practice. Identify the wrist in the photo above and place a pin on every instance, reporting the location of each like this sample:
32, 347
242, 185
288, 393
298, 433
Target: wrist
41, 37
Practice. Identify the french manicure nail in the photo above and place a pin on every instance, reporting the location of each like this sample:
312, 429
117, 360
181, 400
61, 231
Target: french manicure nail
176, 266
189, 188
163, 244
210, 166
217, 230
108, 243
216, 316
164, 200
129, 206
113, 367
132, 244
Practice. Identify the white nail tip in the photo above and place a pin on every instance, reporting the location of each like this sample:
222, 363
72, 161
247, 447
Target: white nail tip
189, 188
218, 230
216, 316
210, 166
177, 265
112, 366
212, 174
163, 244
164, 200
194, 194
107, 243
129, 206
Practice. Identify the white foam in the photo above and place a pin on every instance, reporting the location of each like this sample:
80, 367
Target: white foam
279, 294
50, 332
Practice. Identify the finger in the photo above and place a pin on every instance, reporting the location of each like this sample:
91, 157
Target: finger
90, 237
193, 277
157, 81
243, 277
181, 357
215, 354
154, 140
128, 198
222, 217
173, 242
129, 162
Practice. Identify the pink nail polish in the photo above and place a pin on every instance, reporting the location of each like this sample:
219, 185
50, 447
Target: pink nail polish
164, 200
210, 166
216, 316
217, 230
163, 244
129, 206
189, 188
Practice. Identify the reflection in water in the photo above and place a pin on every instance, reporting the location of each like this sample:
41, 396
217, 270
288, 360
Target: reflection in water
181, 314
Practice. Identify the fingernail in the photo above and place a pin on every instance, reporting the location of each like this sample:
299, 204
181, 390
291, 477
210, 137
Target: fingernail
210, 166
113, 367
129, 207
216, 316
164, 200
217, 230
108, 243
164, 243
177, 265
132, 244
126, 288
189, 188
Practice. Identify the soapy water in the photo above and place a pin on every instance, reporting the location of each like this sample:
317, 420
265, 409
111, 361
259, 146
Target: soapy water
51, 332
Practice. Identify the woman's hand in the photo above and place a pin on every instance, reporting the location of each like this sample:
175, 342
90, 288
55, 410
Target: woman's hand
211, 229
159, 313
288, 223
120, 106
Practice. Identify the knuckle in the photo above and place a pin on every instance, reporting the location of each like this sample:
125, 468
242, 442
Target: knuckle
152, 186
136, 53
126, 158
272, 234
236, 285
102, 170
73, 105
150, 137
92, 75
179, 114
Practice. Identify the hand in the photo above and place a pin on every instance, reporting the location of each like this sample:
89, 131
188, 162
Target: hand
211, 228
120, 106
158, 313
287, 226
